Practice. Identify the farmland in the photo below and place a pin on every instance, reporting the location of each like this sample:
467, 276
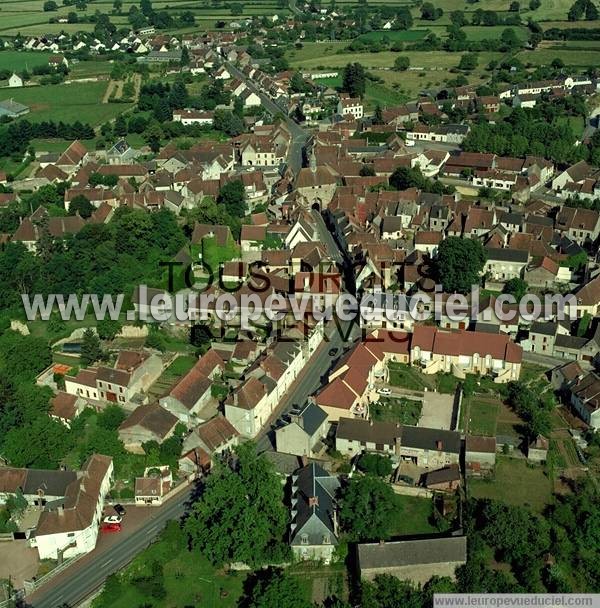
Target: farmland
68, 103
17, 61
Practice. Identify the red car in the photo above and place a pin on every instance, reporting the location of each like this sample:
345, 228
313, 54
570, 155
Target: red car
111, 527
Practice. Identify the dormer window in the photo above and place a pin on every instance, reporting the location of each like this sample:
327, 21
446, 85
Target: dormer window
304, 539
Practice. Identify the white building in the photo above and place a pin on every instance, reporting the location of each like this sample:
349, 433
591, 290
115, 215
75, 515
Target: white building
72, 528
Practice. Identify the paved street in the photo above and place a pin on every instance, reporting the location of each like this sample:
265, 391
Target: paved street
89, 573
299, 135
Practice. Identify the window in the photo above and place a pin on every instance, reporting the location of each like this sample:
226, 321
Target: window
304, 539
71, 534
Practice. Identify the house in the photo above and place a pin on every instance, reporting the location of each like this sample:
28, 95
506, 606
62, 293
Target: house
193, 117
12, 109
537, 450
543, 273
56, 61
504, 264
480, 455
585, 399
193, 392
427, 448
446, 479
209, 440
15, 81
65, 408
461, 352
38, 486
588, 298
73, 157
71, 527
350, 106
303, 432
314, 526
412, 560
150, 489
147, 423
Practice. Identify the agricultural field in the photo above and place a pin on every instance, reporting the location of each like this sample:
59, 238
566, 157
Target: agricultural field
515, 482
68, 103
17, 61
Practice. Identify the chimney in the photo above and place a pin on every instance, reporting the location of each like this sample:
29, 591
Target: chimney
381, 542
371, 422
304, 461
439, 445
313, 501
61, 511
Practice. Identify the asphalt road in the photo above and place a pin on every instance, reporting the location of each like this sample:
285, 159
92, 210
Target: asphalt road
299, 135
313, 376
84, 577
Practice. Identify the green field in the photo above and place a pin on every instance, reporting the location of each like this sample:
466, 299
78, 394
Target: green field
17, 61
483, 415
516, 483
68, 102
394, 36
414, 516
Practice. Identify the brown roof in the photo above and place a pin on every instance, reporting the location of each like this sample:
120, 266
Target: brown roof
64, 406
73, 155
148, 486
589, 294
477, 443
216, 432
248, 395
129, 360
81, 500
197, 381
153, 418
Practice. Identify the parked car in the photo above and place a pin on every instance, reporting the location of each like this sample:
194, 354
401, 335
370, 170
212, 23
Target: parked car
120, 509
384, 391
111, 527
113, 519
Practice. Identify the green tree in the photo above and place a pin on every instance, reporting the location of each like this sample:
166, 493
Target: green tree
375, 464
240, 515
81, 205
468, 62
50, 5
108, 329
401, 64
111, 417
534, 4
368, 508
459, 263
232, 196
274, 589
516, 287
354, 80
91, 350
178, 95
118, 6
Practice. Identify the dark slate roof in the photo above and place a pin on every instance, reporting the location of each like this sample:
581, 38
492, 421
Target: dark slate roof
313, 492
30, 481
412, 552
507, 255
547, 329
427, 439
312, 418
573, 342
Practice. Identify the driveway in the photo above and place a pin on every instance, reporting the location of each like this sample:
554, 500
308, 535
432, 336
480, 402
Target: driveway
18, 561
437, 411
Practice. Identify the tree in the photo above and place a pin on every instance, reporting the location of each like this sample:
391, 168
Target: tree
468, 62
273, 588
118, 6
232, 196
514, 7
90, 347
516, 287
50, 5
108, 329
401, 64
81, 204
368, 508
354, 80
120, 127
111, 417
378, 115
430, 12
178, 96
459, 263
240, 516
534, 4
375, 464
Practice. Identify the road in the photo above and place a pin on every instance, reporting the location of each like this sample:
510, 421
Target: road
338, 335
87, 575
299, 135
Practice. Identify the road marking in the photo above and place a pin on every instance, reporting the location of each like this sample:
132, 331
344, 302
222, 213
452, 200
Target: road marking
106, 562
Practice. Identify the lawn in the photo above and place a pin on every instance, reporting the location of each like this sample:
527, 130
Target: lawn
478, 33
414, 516
68, 103
189, 579
483, 415
394, 409
394, 36
516, 483
17, 61
407, 377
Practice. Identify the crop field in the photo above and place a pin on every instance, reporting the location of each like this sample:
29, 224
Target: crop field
68, 102
395, 36
17, 61
29, 18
